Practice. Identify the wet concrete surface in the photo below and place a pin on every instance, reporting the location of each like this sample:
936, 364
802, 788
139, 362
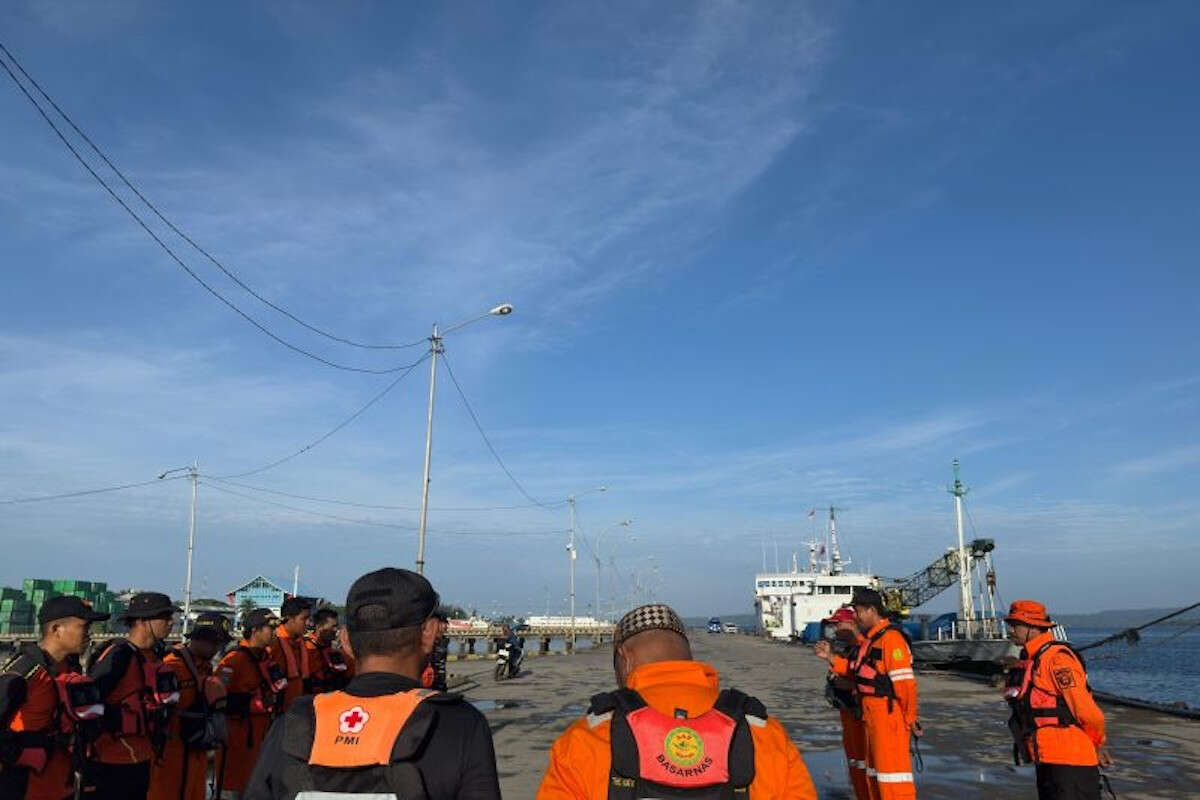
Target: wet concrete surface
966, 747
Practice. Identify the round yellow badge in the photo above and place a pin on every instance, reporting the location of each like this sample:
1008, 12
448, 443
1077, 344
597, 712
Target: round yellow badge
897, 653
684, 747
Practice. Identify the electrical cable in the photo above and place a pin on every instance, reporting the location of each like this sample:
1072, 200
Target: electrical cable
85, 492
183, 235
373, 506
486, 440
376, 523
333, 430
171, 253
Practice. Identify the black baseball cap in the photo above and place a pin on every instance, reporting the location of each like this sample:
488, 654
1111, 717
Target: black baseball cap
148, 605
387, 599
868, 597
69, 606
259, 617
210, 625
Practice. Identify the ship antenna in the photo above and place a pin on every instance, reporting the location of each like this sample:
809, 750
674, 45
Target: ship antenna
965, 601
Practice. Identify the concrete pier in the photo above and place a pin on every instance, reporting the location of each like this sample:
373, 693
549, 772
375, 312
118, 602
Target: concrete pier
967, 749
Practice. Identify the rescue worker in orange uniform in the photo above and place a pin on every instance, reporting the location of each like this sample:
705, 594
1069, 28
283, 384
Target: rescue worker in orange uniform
200, 724
1055, 721
289, 652
41, 729
334, 668
670, 731
839, 691
254, 687
384, 735
139, 696
883, 677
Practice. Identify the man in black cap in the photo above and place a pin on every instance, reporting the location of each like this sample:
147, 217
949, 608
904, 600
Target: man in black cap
34, 764
178, 774
255, 688
138, 694
383, 734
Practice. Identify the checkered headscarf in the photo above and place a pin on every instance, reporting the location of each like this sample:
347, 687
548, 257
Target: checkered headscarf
654, 617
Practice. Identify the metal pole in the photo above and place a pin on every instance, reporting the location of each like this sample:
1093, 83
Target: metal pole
966, 604
571, 557
194, 474
296, 581
435, 347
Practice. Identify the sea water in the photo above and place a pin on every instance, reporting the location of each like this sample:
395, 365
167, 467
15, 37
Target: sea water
1164, 667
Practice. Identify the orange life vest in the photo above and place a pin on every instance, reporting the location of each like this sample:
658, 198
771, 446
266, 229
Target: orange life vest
78, 709
706, 757
870, 679
143, 709
1034, 707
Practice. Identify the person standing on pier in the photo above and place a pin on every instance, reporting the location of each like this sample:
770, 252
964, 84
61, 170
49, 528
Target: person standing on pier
383, 735
139, 696
887, 691
670, 731
333, 669
290, 652
180, 772
1055, 721
35, 724
839, 691
254, 685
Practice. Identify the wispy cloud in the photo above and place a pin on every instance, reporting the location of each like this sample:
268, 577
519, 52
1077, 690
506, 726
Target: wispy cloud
1175, 458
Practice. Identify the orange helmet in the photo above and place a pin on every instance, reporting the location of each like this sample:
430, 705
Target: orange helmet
1029, 612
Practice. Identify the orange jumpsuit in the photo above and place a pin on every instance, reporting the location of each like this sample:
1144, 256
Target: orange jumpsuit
581, 758
888, 722
121, 680
239, 673
854, 731
167, 773
1060, 673
325, 678
296, 657
38, 711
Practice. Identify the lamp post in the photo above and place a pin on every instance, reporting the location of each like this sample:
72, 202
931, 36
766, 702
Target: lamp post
625, 523
571, 560
435, 348
193, 472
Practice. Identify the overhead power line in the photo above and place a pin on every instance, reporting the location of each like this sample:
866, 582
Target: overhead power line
488, 442
86, 492
332, 430
372, 506
376, 523
162, 244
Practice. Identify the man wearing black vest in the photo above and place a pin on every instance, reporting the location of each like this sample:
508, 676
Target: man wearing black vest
383, 734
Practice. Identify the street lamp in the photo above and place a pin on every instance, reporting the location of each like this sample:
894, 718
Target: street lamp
625, 523
435, 347
193, 472
571, 558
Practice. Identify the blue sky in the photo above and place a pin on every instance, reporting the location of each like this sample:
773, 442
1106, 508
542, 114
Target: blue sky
765, 257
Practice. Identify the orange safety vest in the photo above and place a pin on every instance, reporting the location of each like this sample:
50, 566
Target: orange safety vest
1032, 706
870, 679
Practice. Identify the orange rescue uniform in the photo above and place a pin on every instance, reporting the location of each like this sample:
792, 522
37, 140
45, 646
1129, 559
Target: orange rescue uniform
326, 677
239, 673
581, 758
296, 657
1060, 673
884, 652
131, 692
167, 773
39, 712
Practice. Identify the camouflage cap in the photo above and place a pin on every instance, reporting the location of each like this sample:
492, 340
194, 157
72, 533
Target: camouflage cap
653, 617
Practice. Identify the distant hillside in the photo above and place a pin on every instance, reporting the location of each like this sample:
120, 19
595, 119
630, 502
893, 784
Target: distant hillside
1126, 618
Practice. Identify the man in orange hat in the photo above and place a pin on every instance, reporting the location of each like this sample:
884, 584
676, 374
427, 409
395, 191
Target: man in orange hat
1055, 721
839, 691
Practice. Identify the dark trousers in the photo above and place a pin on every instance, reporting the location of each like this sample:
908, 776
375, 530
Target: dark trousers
118, 781
1063, 782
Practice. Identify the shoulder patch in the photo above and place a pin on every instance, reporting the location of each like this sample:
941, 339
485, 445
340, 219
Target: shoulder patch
1065, 678
897, 653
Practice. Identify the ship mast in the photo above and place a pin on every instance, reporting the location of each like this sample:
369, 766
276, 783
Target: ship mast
965, 601
835, 556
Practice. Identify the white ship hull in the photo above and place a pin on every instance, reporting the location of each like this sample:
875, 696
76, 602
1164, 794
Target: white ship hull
787, 602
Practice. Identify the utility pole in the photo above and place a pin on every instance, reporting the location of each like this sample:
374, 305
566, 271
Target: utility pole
296, 581
193, 472
571, 559
435, 348
965, 601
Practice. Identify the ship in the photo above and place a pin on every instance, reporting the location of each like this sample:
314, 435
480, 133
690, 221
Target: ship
790, 605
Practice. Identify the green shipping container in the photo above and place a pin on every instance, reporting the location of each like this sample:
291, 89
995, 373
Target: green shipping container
8, 593
37, 583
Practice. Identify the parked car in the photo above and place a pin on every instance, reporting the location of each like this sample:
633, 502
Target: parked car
729, 627
714, 625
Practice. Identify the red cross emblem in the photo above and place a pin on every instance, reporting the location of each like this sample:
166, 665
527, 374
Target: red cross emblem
353, 721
